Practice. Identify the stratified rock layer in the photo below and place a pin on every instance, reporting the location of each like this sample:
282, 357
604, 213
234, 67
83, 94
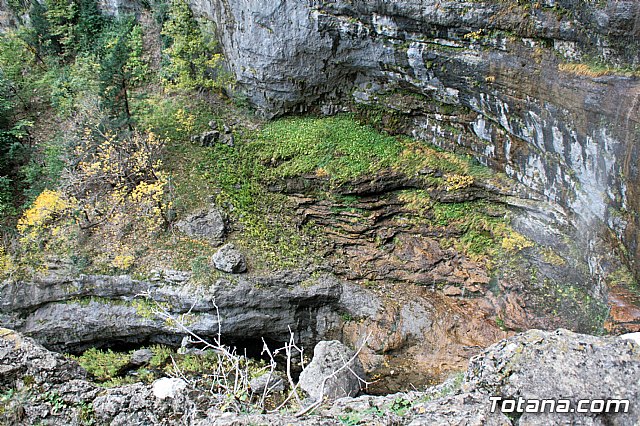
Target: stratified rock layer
432, 334
517, 84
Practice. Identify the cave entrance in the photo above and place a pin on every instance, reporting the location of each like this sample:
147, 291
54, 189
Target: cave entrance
115, 362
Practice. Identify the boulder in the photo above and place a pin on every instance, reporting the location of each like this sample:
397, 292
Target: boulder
227, 139
168, 387
22, 357
205, 224
333, 373
229, 259
208, 139
141, 357
561, 364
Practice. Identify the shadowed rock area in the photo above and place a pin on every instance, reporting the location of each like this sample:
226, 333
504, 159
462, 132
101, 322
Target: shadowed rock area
99, 311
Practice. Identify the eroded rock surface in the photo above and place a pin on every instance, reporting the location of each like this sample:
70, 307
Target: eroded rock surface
582, 366
537, 364
415, 335
70, 314
515, 84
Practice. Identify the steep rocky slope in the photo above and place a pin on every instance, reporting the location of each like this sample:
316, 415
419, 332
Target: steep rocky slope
544, 90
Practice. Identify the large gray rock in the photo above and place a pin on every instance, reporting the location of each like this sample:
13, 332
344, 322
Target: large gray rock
205, 224
22, 357
332, 373
141, 357
72, 314
229, 259
209, 138
561, 364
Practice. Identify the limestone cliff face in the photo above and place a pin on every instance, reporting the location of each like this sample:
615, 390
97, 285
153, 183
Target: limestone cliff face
8, 18
496, 79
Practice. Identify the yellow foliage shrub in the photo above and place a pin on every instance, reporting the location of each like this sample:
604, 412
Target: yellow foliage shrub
7, 265
48, 206
120, 178
123, 261
186, 121
44, 227
515, 242
456, 182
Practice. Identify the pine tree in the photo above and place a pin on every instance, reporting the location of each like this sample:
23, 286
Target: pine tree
122, 68
91, 22
41, 38
62, 17
12, 151
192, 63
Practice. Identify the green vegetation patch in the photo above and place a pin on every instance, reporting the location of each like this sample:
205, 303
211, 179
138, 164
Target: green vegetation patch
337, 150
342, 149
337, 147
103, 365
484, 227
112, 368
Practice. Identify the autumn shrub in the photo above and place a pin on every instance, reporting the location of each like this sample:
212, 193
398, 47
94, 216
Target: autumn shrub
113, 188
7, 264
41, 219
120, 190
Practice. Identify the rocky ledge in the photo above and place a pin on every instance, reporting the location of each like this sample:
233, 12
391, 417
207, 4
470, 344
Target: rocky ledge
414, 327
42, 387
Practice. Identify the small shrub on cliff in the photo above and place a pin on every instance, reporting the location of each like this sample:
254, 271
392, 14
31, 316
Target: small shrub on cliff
7, 264
514, 242
103, 365
457, 182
